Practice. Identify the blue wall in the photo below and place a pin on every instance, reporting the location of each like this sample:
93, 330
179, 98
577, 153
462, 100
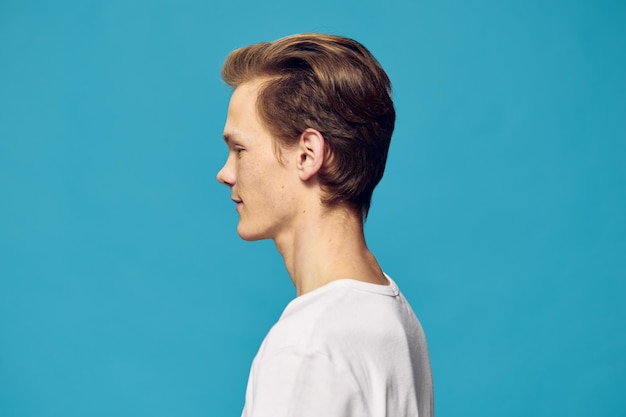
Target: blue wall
124, 289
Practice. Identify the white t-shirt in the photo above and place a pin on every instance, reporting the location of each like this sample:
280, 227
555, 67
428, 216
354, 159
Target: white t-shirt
347, 349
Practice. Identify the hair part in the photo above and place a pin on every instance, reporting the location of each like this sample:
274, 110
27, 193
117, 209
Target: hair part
331, 84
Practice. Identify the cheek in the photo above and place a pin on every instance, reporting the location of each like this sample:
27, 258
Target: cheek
249, 176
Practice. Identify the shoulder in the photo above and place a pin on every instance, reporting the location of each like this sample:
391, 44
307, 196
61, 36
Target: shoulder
346, 316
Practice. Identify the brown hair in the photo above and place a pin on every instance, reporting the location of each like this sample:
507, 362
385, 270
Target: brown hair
334, 85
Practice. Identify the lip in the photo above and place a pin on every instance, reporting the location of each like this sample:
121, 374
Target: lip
238, 203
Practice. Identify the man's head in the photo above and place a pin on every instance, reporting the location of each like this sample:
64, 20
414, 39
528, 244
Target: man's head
330, 84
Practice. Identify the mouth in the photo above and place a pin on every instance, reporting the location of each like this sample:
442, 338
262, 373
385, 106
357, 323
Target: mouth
238, 203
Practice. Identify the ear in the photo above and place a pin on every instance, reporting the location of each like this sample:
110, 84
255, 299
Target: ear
311, 154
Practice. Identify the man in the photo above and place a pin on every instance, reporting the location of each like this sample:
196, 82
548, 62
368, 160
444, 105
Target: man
308, 129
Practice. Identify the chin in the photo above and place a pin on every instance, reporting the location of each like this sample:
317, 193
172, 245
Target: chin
249, 235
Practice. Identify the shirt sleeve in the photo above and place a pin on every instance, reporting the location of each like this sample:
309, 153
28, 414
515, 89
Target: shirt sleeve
292, 383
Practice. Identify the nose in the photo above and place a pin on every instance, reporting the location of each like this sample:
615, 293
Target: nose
226, 175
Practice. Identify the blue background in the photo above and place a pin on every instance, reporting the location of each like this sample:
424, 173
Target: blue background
124, 289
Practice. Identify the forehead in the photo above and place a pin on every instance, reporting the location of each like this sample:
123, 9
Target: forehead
245, 94
242, 116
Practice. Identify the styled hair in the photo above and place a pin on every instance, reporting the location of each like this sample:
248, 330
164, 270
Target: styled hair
331, 84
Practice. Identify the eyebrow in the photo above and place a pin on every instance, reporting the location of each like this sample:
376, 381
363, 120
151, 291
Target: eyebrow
228, 138
232, 138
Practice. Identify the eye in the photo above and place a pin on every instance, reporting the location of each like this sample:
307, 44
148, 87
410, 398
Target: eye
238, 150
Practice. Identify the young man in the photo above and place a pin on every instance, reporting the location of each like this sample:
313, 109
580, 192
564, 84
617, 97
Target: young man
308, 129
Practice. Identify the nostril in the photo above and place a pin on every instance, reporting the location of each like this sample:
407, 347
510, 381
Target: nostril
225, 176
221, 180
220, 177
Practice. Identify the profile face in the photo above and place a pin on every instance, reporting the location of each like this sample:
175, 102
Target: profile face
261, 186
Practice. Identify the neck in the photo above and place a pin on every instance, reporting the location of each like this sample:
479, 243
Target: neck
326, 245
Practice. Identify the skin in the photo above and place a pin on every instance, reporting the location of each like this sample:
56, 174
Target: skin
278, 197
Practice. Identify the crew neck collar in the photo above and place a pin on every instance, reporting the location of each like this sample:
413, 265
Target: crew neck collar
391, 289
